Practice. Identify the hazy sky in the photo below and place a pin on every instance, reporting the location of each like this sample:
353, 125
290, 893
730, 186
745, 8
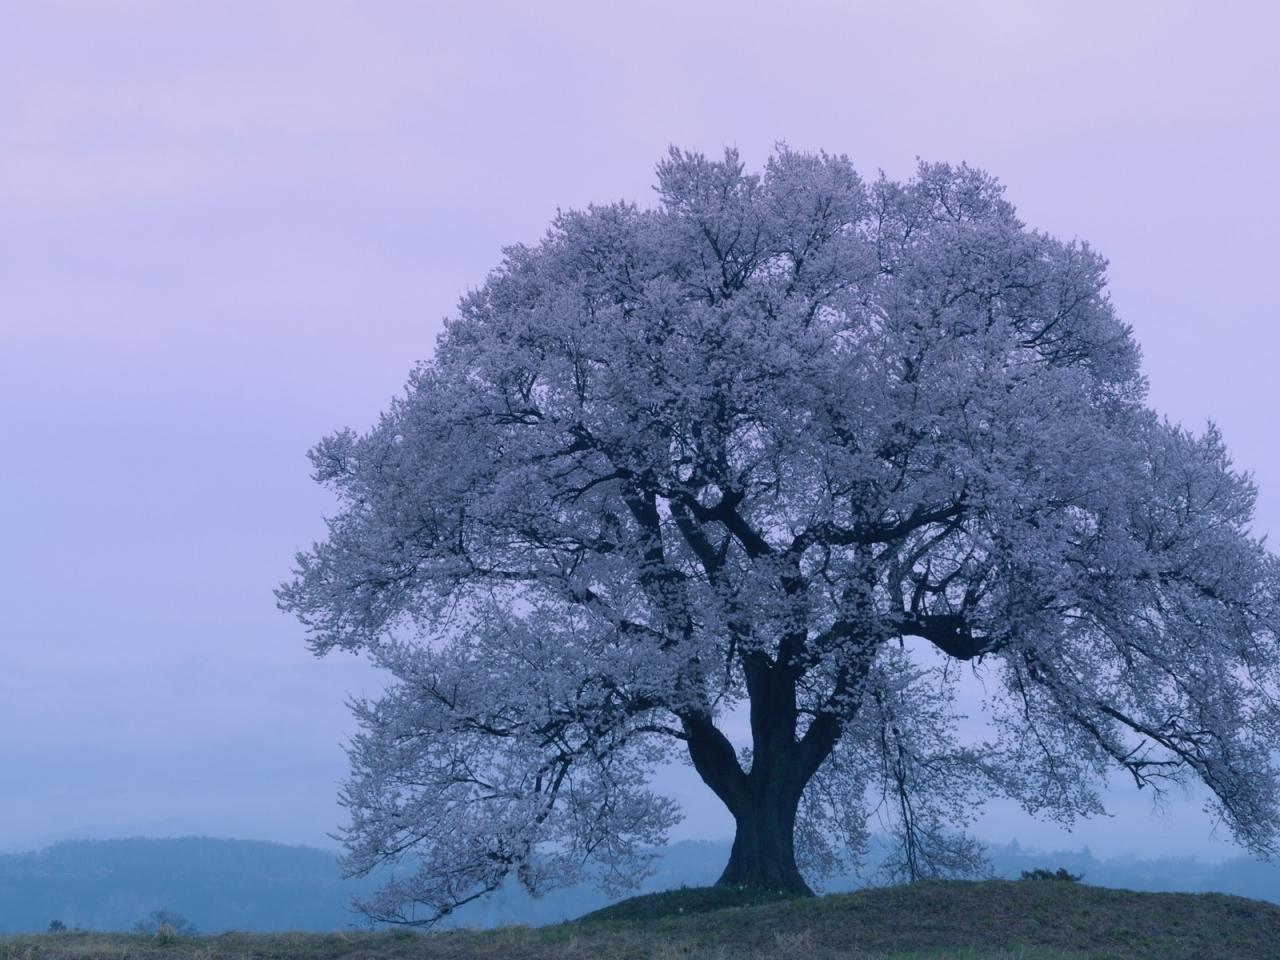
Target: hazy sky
227, 229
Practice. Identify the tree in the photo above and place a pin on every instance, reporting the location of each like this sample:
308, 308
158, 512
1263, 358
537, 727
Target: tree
806, 446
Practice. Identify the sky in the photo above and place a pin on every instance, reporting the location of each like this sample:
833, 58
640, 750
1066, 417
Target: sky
229, 229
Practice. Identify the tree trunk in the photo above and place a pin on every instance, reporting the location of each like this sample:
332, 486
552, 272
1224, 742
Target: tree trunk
763, 801
764, 853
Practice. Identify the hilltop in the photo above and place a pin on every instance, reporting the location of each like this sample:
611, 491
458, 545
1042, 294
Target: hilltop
976, 920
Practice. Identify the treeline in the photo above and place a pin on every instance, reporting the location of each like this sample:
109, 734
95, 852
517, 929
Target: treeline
247, 885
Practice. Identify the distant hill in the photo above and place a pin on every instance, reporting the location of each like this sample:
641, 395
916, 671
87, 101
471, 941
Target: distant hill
1241, 876
253, 886
217, 884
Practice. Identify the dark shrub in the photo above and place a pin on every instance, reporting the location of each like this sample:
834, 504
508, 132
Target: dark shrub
1062, 874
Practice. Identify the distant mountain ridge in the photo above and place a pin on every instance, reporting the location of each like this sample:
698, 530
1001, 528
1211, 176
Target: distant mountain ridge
217, 884
251, 885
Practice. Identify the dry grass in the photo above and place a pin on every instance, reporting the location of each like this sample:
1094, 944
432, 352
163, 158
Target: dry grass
990, 920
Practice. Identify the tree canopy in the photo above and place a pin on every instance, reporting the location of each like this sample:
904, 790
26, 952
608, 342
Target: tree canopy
802, 445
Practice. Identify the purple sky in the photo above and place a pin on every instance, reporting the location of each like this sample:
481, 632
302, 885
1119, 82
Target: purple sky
228, 229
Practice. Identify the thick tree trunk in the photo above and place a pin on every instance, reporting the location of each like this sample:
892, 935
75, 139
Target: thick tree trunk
763, 801
764, 853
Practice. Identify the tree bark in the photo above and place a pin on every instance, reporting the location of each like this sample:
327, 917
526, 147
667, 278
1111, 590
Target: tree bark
764, 801
764, 853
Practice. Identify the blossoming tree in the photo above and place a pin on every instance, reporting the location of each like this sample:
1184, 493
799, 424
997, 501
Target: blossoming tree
794, 448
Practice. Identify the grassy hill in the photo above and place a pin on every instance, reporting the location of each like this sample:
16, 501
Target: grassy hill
986, 920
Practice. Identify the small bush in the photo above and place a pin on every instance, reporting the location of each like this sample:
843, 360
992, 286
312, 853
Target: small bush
56, 926
165, 925
1061, 874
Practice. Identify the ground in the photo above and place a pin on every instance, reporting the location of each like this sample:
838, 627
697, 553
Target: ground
986, 920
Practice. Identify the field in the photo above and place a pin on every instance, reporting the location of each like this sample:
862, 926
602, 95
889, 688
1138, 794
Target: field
987, 920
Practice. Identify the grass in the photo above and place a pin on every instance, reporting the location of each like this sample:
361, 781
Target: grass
685, 901
956, 920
